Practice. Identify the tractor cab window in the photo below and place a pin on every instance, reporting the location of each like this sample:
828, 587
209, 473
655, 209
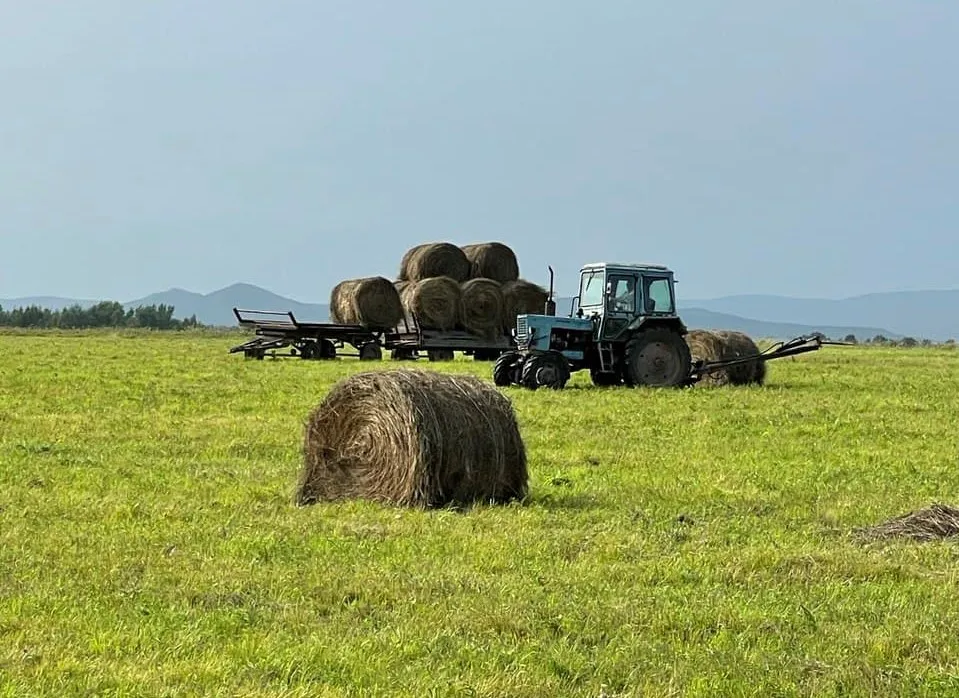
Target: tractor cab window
622, 294
591, 289
659, 299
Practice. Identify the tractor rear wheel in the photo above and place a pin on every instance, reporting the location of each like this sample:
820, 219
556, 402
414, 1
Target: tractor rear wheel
546, 370
657, 357
504, 370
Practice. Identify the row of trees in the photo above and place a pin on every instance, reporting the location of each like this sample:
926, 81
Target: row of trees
881, 340
104, 314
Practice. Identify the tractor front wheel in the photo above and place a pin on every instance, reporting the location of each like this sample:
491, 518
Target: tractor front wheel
658, 358
546, 370
504, 370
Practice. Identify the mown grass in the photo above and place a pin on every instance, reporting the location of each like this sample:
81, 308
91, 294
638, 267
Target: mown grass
693, 542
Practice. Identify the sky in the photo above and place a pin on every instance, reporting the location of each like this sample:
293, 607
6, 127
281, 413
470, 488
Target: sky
801, 147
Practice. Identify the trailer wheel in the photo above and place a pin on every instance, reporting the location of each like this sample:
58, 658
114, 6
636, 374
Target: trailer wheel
605, 379
308, 350
325, 349
504, 370
440, 354
403, 354
371, 352
546, 370
486, 354
657, 357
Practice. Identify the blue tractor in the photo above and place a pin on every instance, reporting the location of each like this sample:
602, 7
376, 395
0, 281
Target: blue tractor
625, 331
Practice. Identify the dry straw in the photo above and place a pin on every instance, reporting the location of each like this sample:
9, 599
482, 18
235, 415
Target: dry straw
434, 259
371, 302
492, 260
708, 346
481, 307
413, 438
739, 345
521, 297
435, 302
935, 523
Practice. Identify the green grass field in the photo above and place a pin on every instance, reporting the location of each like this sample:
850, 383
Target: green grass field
696, 542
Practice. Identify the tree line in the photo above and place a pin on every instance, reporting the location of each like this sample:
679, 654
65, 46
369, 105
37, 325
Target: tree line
103, 314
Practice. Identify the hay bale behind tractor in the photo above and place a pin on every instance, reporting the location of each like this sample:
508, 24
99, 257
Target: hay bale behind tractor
434, 301
706, 345
520, 297
414, 438
434, 259
738, 345
492, 260
372, 302
481, 307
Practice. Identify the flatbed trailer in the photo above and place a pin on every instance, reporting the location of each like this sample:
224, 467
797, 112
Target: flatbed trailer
308, 340
276, 330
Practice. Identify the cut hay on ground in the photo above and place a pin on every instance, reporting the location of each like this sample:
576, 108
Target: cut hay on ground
738, 345
372, 302
520, 297
414, 438
706, 345
434, 259
935, 523
435, 302
492, 260
481, 307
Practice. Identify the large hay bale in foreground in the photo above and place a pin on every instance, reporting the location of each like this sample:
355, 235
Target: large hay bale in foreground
481, 307
372, 302
492, 260
434, 301
414, 438
738, 345
434, 259
521, 297
708, 346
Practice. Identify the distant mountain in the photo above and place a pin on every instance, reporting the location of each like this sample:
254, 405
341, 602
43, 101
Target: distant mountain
702, 319
920, 314
214, 308
52, 302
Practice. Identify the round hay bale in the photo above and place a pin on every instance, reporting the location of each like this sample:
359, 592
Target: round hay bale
435, 302
492, 260
738, 345
708, 346
481, 307
372, 302
400, 286
520, 297
434, 259
413, 438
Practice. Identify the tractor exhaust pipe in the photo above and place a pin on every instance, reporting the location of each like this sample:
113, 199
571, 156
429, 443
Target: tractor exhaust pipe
550, 303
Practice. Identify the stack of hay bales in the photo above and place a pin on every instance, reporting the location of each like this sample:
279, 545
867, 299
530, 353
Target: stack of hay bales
413, 438
476, 288
722, 345
489, 292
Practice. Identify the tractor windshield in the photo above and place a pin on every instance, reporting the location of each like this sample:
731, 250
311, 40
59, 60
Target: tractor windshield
591, 289
659, 298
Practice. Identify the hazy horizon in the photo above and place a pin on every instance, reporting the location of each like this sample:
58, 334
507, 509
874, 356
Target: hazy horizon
801, 149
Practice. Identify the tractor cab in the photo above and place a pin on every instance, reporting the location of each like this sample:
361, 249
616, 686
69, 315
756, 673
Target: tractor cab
619, 297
